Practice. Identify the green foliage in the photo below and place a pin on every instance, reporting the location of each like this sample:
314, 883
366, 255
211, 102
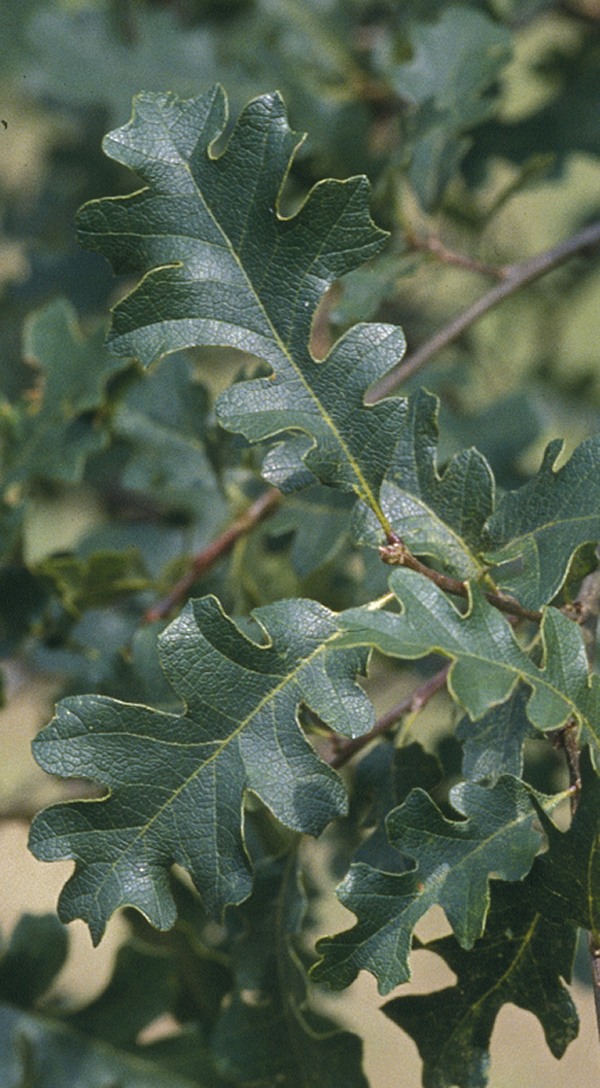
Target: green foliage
449, 78
534, 531
521, 959
455, 860
239, 732
192, 501
487, 659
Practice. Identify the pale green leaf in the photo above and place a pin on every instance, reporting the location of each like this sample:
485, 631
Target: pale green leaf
450, 78
59, 431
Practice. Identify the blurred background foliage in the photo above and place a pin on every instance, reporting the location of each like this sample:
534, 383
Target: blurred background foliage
478, 124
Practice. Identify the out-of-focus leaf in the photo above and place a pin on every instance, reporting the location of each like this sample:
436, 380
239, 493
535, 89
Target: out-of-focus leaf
34, 1050
11, 523
169, 774
35, 954
565, 125
450, 77
455, 862
487, 660
439, 516
521, 959
299, 46
60, 430
319, 519
493, 745
535, 530
268, 1034
221, 266
23, 598
138, 992
163, 421
96, 580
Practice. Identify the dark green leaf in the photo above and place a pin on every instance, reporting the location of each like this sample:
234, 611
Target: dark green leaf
35, 1051
440, 517
493, 745
565, 881
268, 1034
222, 267
535, 531
139, 991
487, 659
520, 959
170, 774
36, 953
455, 862
383, 779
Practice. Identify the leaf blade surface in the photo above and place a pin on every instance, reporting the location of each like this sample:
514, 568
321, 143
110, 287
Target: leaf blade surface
177, 781
455, 862
219, 265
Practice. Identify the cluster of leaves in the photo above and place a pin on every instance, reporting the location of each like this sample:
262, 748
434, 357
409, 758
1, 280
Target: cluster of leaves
216, 738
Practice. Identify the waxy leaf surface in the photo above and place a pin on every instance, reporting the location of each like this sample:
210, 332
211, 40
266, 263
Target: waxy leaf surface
177, 781
455, 862
221, 266
535, 530
487, 659
521, 959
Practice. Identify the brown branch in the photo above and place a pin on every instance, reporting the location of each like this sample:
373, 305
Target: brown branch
223, 544
432, 244
397, 554
514, 277
346, 747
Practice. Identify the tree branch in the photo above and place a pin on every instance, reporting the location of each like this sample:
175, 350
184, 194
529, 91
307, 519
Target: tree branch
432, 244
397, 554
346, 747
514, 278
205, 559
